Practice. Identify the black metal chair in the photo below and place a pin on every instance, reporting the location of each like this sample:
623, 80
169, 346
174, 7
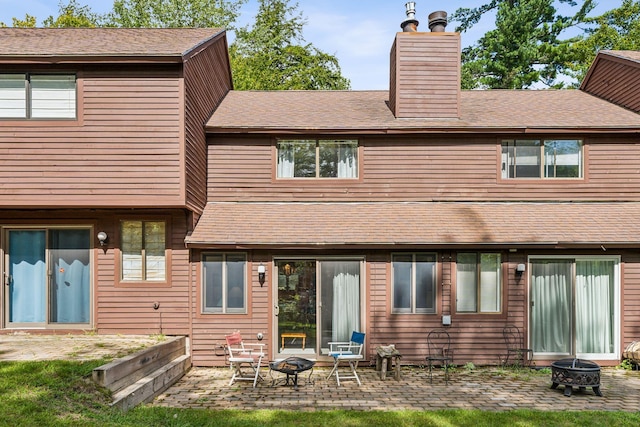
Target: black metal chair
440, 354
517, 353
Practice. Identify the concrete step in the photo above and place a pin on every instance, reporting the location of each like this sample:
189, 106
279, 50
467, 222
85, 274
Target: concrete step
141, 376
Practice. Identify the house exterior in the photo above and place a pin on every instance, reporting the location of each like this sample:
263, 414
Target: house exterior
301, 216
101, 132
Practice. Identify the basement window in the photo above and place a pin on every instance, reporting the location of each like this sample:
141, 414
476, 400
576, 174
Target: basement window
37, 96
554, 158
312, 158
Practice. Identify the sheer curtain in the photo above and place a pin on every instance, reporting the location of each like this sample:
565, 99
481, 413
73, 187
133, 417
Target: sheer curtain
286, 161
346, 300
550, 311
347, 161
594, 306
27, 300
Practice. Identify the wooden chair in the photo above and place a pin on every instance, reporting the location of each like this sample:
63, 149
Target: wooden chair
245, 356
440, 354
516, 351
347, 351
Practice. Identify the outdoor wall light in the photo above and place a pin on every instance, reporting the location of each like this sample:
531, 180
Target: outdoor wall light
262, 270
102, 238
520, 268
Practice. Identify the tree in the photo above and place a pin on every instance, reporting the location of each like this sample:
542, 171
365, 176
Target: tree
267, 56
71, 14
172, 13
617, 29
525, 48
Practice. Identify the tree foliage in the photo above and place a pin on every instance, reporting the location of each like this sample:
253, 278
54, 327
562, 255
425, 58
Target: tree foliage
272, 55
524, 49
173, 13
617, 29
71, 14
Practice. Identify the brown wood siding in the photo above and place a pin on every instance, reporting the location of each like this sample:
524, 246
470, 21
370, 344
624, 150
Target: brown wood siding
617, 81
423, 169
207, 79
123, 151
129, 309
425, 75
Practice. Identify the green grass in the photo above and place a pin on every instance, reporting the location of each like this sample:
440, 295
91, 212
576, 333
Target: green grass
61, 393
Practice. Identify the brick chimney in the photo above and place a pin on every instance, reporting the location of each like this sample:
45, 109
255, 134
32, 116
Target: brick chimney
425, 69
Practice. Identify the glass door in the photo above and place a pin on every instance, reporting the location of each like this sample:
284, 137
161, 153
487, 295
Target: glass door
318, 302
48, 277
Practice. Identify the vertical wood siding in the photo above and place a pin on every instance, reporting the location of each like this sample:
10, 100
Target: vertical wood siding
123, 150
617, 81
207, 80
422, 169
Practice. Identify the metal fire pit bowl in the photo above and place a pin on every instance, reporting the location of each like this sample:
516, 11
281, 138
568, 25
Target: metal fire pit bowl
292, 366
576, 373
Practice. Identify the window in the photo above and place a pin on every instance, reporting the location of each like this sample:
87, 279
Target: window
310, 158
557, 158
478, 288
37, 96
143, 251
224, 283
414, 283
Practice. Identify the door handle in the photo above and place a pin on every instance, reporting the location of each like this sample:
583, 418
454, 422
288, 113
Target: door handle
7, 279
276, 310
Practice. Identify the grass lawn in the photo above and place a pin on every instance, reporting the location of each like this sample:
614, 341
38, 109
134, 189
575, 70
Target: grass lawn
61, 393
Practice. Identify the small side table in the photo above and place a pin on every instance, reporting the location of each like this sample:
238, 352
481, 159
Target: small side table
293, 335
386, 356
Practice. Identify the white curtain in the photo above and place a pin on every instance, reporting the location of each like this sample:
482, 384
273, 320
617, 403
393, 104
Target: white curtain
286, 161
594, 306
346, 300
550, 311
347, 161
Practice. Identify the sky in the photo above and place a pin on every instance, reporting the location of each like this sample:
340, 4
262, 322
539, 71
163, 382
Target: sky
358, 32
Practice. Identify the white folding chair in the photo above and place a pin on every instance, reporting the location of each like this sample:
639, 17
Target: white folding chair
347, 351
244, 355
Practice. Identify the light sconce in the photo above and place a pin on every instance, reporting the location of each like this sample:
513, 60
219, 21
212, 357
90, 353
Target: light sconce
262, 270
102, 238
520, 269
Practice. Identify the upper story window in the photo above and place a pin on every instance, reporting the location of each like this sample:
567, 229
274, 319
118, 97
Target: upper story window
414, 283
553, 158
312, 158
37, 96
224, 283
143, 251
478, 285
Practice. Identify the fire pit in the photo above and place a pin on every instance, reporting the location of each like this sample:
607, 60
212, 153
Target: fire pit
291, 366
575, 373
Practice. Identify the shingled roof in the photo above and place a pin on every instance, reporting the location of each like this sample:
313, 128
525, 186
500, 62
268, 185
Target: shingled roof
506, 111
83, 44
433, 224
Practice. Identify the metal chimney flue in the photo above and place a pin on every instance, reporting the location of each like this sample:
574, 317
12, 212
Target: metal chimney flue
410, 25
438, 21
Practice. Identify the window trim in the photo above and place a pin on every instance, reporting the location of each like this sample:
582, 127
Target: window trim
224, 310
317, 140
167, 254
542, 177
413, 309
504, 284
29, 96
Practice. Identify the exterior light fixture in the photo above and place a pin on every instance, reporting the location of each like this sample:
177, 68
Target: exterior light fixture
102, 238
262, 270
520, 269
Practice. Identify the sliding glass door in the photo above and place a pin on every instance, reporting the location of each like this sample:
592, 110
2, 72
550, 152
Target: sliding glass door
575, 307
318, 302
48, 277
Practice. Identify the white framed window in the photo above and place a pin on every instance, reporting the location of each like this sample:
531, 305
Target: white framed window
478, 283
38, 96
552, 158
224, 283
312, 158
143, 252
414, 283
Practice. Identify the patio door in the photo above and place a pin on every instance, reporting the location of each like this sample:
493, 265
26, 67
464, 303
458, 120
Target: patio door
47, 277
318, 301
575, 308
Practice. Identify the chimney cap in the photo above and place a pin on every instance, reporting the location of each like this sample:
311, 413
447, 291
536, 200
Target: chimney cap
438, 21
411, 23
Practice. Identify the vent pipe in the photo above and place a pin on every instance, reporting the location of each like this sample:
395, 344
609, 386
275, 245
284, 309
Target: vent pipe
438, 21
410, 25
